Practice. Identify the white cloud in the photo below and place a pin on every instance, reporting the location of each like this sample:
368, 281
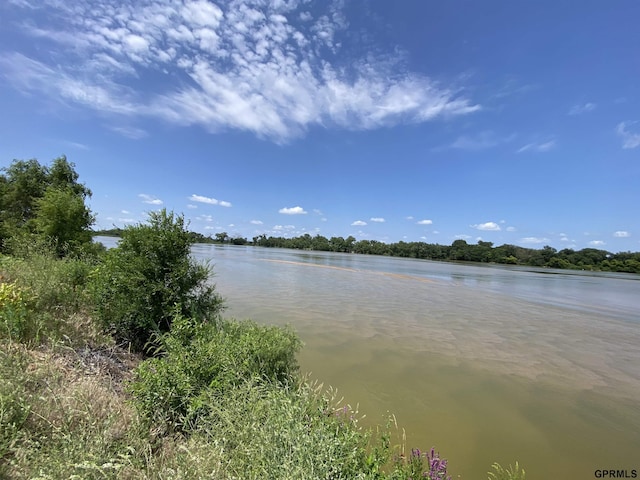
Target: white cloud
125, 212
534, 240
377, 219
582, 108
248, 67
409, 217
621, 234
511, 229
208, 200
150, 199
192, 206
463, 237
488, 226
293, 211
629, 139
358, 223
133, 133
425, 222
597, 243
538, 147
480, 141
205, 218
256, 222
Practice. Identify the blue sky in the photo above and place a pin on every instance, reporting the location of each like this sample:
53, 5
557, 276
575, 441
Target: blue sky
510, 122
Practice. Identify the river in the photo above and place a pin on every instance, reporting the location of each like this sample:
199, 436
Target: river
486, 363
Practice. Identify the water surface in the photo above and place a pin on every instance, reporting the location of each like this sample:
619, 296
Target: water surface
487, 363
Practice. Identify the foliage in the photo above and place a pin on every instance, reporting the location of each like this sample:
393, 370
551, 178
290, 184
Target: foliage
14, 315
63, 217
45, 298
46, 201
14, 407
513, 472
461, 251
142, 282
204, 359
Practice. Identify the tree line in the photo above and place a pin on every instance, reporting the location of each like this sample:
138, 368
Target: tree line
461, 251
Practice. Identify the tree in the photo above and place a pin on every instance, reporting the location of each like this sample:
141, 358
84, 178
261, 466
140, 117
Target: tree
62, 216
149, 279
47, 201
222, 237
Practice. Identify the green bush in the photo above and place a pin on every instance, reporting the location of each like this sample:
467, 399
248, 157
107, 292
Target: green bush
147, 277
204, 359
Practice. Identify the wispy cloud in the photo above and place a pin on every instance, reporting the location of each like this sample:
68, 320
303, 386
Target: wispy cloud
538, 147
621, 234
629, 139
377, 219
256, 222
251, 66
424, 222
582, 108
133, 133
488, 226
358, 223
209, 200
150, 199
293, 211
534, 240
597, 243
76, 145
480, 141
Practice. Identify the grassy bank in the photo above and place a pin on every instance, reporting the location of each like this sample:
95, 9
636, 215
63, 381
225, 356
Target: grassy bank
200, 396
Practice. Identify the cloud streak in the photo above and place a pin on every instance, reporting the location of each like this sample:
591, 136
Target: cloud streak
629, 139
150, 199
267, 68
209, 200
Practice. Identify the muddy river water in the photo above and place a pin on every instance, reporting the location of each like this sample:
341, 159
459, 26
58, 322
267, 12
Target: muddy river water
486, 363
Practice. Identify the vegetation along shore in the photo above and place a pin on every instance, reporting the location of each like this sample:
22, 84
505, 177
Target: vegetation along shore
120, 363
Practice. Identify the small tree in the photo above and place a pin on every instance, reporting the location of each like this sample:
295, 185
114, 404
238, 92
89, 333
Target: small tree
150, 278
62, 216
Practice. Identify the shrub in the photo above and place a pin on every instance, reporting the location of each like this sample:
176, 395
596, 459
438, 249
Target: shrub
204, 359
147, 277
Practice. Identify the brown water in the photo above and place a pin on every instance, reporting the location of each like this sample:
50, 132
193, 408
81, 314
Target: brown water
484, 363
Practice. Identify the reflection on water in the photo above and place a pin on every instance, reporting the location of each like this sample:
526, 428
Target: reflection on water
486, 363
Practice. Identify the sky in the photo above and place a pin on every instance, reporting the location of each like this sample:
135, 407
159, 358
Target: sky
419, 120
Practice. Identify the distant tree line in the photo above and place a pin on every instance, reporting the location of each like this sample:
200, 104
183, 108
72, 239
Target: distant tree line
460, 250
194, 237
